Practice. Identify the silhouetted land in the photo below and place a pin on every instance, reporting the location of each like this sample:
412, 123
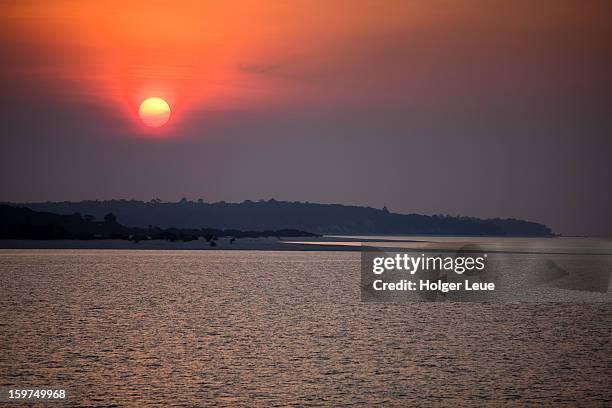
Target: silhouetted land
274, 215
23, 223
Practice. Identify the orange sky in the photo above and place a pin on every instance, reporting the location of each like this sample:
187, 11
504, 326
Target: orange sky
186, 51
235, 55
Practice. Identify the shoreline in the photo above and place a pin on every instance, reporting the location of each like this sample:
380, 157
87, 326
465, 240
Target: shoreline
504, 245
223, 244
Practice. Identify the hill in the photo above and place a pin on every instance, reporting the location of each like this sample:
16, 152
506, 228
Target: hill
274, 215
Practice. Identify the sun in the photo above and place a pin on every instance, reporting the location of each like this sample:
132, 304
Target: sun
154, 112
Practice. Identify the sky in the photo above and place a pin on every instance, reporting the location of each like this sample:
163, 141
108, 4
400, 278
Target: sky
480, 108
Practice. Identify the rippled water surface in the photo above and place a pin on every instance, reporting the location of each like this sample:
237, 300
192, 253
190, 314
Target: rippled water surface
280, 328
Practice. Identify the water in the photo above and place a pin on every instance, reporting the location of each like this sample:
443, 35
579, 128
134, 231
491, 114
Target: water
249, 328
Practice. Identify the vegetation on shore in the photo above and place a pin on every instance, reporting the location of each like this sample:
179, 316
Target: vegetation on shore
23, 223
273, 215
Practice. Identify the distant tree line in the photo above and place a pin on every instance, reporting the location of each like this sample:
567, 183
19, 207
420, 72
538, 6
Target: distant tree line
23, 223
271, 215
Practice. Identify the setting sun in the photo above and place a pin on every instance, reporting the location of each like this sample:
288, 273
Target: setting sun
154, 112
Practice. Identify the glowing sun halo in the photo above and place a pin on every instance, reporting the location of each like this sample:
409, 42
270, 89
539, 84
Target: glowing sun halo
154, 112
